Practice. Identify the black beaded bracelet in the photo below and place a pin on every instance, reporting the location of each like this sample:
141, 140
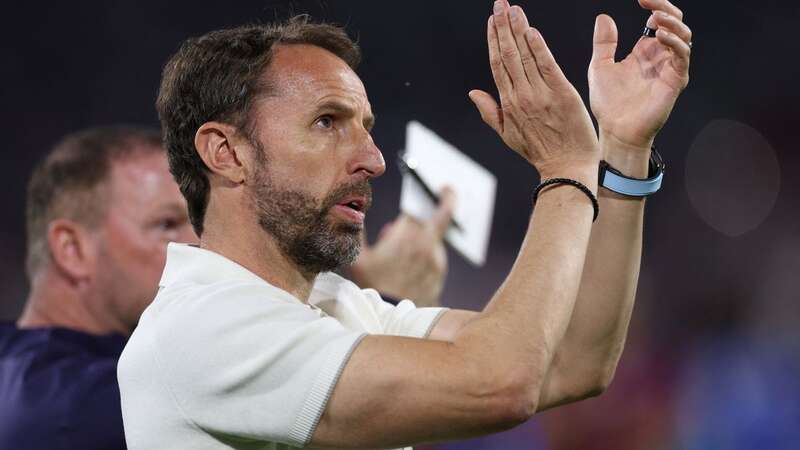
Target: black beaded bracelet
570, 182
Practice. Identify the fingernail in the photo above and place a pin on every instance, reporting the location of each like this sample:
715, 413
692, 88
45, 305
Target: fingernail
514, 12
498, 7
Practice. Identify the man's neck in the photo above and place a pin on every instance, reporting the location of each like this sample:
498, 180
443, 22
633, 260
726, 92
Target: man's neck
54, 302
259, 252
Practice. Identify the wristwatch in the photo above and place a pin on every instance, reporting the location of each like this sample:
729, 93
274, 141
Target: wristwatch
613, 180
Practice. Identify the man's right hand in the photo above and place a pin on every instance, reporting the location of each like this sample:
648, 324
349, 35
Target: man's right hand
541, 116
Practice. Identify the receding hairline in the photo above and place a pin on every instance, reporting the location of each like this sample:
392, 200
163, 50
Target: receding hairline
89, 205
279, 55
276, 80
136, 149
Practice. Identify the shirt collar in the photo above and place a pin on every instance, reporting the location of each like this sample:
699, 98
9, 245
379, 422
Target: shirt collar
187, 262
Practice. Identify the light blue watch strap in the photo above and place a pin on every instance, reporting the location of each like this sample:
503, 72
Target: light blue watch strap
631, 187
613, 180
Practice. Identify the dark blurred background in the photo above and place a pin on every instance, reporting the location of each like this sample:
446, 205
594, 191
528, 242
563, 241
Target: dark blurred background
712, 356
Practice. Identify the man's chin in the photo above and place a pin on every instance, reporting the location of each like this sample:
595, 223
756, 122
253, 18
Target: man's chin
349, 229
329, 250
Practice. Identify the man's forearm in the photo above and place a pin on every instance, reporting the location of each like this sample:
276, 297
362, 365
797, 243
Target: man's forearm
522, 325
588, 354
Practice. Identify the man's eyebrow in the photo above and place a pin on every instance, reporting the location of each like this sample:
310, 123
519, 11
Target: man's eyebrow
336, 106
346, 109
172, 208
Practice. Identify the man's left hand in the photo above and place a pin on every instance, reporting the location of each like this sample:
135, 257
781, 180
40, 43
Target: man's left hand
633, 98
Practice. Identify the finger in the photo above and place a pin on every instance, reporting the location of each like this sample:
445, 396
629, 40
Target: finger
548, 68
523, 19
444, 213
662, 5
673, 25
651, 22
678, 46
489, 109
519, 24
385, 230
509, 54
605, 39
499, 73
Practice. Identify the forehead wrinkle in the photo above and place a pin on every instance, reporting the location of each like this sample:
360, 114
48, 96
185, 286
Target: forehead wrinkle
318, 91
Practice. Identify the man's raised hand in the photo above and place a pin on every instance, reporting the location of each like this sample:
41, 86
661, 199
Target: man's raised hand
633, 98
541, 116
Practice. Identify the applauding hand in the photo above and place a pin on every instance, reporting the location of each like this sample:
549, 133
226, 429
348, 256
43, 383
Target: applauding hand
541, 116
633, 98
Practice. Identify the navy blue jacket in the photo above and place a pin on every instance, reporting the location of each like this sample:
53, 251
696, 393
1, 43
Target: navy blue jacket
58, 390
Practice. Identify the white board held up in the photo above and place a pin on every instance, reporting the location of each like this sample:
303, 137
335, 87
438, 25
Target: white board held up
440, 164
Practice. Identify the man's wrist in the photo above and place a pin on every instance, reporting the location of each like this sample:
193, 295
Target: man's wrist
631, 160
585, 173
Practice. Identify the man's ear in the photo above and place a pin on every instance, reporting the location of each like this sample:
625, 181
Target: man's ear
217, 144
72, 252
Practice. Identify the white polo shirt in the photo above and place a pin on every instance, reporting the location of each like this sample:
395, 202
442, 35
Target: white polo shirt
224, 360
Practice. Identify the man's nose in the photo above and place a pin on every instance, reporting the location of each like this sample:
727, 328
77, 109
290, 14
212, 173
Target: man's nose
368, 158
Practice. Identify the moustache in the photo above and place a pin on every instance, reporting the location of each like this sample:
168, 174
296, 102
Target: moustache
357, 188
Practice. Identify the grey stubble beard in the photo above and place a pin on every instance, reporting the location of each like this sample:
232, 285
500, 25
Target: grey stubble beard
302, 228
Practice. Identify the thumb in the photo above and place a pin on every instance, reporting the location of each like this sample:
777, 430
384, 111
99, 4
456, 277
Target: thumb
488, 108
386, 229
605, 39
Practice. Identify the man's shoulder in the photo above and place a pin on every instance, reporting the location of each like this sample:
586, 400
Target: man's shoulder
62, 348
191, 298
46, 374
185, 315
205, 357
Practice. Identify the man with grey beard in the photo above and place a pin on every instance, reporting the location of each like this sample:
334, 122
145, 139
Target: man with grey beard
101, 208
252, 343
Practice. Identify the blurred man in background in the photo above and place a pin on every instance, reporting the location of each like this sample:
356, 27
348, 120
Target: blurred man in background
101, 208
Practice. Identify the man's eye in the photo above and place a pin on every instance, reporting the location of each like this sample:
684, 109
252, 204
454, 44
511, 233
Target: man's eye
171, 223
168, 224
325, 122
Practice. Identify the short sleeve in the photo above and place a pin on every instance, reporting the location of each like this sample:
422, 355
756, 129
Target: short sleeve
404, 319
244, 365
